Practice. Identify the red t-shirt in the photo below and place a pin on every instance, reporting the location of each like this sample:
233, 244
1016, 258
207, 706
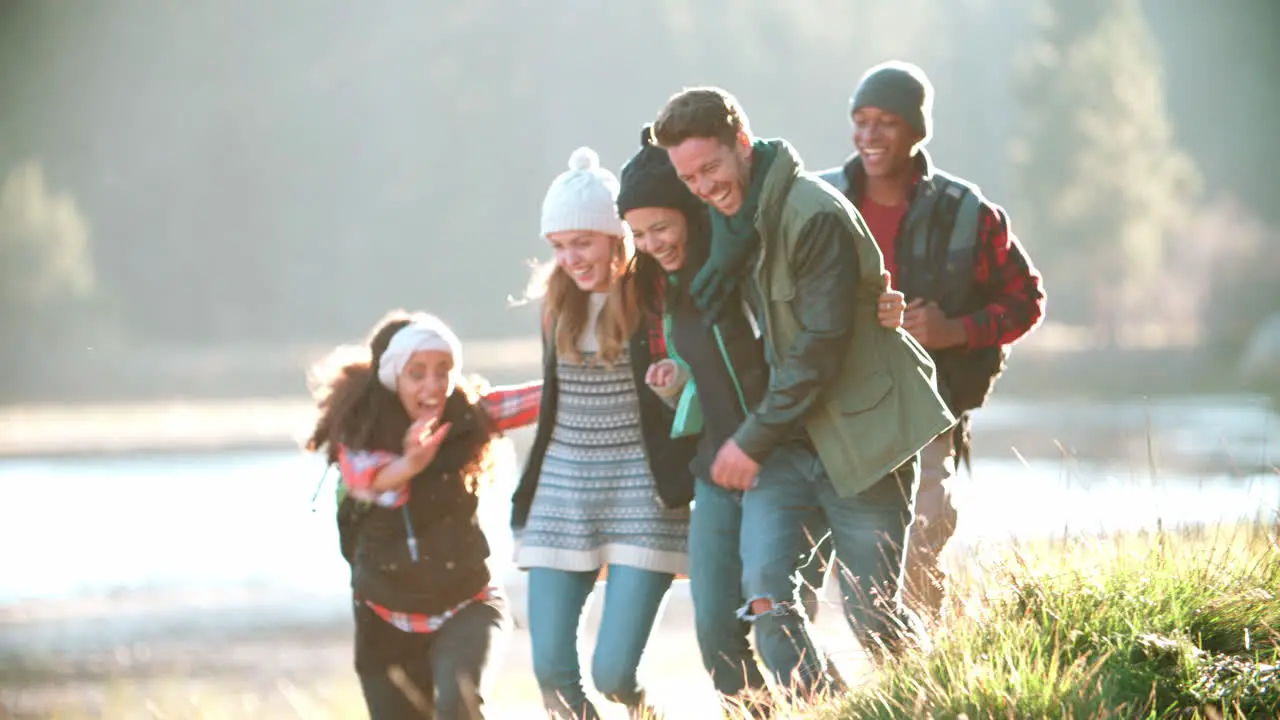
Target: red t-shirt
883, 220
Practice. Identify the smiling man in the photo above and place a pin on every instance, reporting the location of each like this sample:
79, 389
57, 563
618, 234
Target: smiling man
849, 403
971, 289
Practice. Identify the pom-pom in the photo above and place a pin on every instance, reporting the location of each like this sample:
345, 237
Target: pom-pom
584, 158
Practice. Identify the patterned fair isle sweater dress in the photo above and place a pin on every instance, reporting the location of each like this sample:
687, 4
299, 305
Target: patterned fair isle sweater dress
596, 502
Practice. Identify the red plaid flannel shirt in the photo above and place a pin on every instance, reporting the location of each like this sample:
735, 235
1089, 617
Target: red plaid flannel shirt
513, 406
1003, 271
420, 623
657, 338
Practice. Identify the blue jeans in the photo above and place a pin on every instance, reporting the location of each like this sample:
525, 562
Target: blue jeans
715, 582
869, 533
923, 577
428, 675
633, 598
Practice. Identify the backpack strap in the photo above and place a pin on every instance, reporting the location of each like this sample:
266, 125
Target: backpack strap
836, 177
949, 231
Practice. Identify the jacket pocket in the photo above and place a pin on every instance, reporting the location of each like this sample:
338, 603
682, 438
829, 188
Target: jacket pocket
866, 393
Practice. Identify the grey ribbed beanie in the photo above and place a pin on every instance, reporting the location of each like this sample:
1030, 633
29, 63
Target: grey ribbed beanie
901, 88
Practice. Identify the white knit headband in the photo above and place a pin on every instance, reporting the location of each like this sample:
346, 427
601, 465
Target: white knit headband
426, 332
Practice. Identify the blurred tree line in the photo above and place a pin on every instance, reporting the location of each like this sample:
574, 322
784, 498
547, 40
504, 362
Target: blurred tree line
208, 174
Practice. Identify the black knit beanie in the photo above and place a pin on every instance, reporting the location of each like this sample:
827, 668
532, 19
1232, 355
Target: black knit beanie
901, 88
649, 180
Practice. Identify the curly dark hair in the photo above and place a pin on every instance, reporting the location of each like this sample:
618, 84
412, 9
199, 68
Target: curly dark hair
356, 411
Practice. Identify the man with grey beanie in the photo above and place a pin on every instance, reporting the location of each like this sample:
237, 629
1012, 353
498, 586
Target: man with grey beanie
972, 291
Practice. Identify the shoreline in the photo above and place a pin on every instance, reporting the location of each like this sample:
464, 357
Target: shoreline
1015, 427
154, 428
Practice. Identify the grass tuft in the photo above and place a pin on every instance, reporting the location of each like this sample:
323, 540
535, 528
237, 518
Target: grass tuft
1167, 624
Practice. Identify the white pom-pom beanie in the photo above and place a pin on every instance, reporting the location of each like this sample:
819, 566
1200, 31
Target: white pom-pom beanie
583, 198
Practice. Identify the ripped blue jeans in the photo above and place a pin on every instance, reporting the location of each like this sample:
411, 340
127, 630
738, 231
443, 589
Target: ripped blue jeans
869, 533
715, 582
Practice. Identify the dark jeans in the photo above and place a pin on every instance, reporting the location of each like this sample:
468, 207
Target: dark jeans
438, 675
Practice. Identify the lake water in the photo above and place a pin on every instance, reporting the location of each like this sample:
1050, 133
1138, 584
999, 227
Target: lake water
208, 560
221, 526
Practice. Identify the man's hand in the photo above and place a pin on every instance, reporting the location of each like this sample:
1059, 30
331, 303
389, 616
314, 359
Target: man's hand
891, 305
890, 309
930, 327
733, 468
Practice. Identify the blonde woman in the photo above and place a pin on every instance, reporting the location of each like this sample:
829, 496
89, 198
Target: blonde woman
605, 487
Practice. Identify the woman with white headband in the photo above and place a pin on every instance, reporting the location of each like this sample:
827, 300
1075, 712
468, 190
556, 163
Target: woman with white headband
605, 487
412, 441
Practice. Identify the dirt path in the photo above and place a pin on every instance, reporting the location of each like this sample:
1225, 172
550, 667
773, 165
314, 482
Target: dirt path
259, 662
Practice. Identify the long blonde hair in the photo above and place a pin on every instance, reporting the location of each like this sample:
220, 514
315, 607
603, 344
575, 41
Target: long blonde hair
564, 306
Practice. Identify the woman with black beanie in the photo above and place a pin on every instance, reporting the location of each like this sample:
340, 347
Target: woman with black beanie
713, 377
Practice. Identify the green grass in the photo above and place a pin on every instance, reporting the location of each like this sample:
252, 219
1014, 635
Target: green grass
1169, 624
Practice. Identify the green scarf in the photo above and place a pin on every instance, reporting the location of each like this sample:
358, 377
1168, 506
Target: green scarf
733, 241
